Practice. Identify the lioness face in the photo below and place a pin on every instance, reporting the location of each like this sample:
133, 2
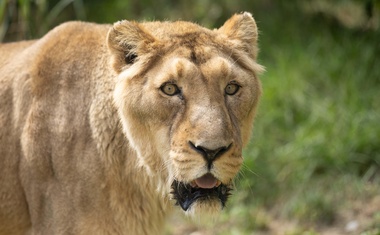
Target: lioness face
187, 97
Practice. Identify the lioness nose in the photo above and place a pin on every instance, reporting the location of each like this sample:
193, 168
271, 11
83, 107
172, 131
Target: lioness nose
210, 154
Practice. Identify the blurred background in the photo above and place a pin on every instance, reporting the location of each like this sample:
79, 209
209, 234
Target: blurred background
313, 165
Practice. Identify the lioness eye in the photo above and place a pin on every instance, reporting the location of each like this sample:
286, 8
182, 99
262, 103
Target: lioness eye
170, 89
231, 89
130, 58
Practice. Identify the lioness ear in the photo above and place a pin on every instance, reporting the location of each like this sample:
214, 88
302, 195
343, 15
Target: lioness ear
126, 40
241, 29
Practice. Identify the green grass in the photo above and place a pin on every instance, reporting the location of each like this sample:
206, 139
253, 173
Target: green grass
317, 133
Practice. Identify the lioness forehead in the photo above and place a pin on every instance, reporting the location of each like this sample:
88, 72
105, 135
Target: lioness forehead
187, 39
214, 66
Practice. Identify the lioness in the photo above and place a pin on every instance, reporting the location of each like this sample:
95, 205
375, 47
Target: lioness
104, 128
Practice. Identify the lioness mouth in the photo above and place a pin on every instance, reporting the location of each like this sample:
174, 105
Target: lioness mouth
204, 188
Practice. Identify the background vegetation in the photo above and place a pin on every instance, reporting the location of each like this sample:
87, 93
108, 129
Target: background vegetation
313, 166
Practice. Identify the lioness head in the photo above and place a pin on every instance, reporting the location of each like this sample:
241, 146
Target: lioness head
187, 97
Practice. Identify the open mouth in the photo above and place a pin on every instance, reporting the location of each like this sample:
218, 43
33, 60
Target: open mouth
204, 188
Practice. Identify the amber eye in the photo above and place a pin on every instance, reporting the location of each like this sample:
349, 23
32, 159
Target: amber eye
231, 89
170, 89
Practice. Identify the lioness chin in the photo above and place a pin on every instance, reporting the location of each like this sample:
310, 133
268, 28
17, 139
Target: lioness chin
105, 128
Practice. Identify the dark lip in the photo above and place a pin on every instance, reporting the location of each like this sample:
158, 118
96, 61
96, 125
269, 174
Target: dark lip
185, 195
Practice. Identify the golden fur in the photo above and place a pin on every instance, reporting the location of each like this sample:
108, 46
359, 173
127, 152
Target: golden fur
89, 144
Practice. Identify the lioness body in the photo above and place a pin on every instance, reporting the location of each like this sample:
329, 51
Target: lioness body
70, 162
49, 154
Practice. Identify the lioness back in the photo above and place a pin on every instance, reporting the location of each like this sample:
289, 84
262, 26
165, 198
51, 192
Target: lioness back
105, 128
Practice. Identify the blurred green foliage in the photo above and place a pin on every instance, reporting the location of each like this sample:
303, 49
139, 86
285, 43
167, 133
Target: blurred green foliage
316, 140
26, 19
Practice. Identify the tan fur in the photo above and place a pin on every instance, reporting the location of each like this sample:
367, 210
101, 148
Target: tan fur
90, 144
